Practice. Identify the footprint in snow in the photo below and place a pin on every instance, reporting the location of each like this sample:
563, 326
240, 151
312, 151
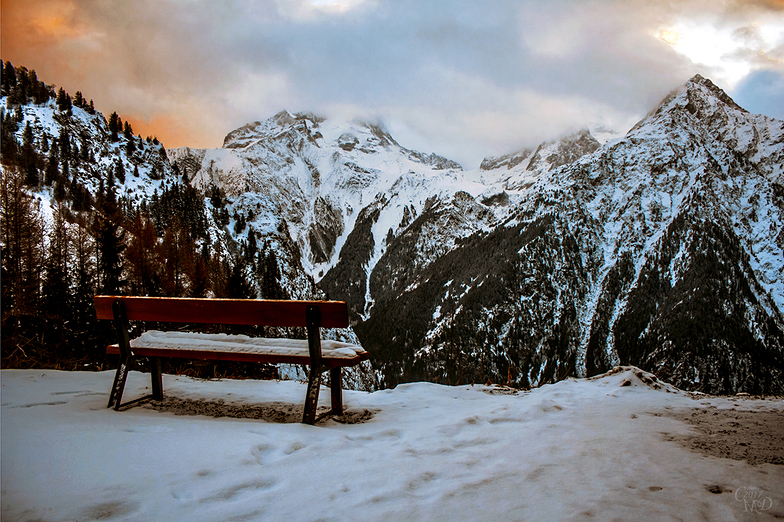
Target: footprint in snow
229, 493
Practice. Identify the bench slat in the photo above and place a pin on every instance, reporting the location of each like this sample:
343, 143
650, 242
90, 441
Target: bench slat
113, 349
190, 345
262, 312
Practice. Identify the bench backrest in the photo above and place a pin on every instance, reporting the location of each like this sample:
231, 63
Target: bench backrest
261, 312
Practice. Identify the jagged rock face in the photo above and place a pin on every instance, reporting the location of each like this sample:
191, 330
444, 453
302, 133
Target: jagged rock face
404, 252
315, 174
349, 282
434, 233
508, 161
526, 165
470, 314
563, 152
324, 233
187, 160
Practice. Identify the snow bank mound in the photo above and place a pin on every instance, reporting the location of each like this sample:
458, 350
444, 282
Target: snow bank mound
625, 376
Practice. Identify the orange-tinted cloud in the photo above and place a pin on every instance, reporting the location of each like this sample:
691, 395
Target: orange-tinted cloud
776, 5
31, 28
171, 130
125, 65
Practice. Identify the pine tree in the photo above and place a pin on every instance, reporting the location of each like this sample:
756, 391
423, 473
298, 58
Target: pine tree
270, 276
127, 131
119, 172
86, 336
177, 258
64, 142
114, 126
110, 178
144, 267
29, 158
252, 246
237, 285
63, 101
9, 148
22, 256
32, 179
56, 291
200, 279
81, 200
9, 78
20, 92
52, 173
85, 152
39, 92
110, 243
61, 183
22, 229
218, 269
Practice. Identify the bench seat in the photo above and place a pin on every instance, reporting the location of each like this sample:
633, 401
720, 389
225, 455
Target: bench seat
232, 347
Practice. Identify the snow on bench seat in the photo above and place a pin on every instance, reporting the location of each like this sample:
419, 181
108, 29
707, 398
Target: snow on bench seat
241, 348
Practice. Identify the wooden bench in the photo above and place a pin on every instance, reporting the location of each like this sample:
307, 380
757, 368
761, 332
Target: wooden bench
313, 315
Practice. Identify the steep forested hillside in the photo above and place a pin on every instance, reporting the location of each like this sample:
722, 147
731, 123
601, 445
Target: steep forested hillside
90, 208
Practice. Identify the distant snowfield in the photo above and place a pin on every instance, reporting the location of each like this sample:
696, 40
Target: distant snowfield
615, 447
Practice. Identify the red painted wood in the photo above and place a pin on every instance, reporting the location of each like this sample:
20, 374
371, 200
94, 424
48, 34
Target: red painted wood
239, 356
334, 314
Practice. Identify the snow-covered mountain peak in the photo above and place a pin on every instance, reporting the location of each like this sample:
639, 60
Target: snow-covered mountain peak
700, 102
292, 131
520, 169
699, 110
284, 126
699, 96
702, 91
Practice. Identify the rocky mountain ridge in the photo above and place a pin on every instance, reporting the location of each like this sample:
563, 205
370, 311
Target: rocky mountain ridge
662, 249
314, 177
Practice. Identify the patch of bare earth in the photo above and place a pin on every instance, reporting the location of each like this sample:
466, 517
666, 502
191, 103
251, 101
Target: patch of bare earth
269, 412
754, 436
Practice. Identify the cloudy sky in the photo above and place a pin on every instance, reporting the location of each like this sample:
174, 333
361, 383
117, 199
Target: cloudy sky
465, 79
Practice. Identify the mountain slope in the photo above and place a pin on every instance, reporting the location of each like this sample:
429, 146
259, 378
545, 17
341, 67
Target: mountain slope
662, 250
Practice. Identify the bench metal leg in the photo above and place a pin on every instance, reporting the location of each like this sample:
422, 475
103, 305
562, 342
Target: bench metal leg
337, 391
157, 379
311, 399
115, 397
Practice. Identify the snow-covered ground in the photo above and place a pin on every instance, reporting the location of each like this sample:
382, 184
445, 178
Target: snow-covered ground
612, 448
